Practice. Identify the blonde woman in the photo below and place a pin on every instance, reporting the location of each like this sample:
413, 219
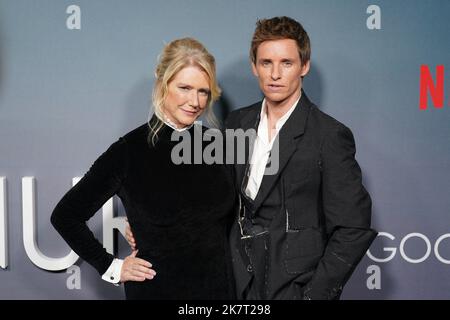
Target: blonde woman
179, 214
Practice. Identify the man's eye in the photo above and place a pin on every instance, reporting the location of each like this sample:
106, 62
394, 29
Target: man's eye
288, 64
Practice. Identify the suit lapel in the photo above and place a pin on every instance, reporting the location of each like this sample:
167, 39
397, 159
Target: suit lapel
291, 130
249, 121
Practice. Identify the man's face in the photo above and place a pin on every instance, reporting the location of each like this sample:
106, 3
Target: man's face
279, 70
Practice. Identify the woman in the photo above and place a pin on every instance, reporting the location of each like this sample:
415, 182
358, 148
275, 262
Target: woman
179, 214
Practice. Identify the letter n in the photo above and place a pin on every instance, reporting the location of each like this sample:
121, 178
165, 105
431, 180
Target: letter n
427, 84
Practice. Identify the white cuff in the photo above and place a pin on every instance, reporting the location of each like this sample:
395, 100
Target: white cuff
112, 275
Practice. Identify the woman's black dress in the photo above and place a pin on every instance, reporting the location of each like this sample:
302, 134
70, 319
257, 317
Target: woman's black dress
180, 216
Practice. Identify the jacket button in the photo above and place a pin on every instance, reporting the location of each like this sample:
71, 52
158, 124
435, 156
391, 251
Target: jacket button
249, 268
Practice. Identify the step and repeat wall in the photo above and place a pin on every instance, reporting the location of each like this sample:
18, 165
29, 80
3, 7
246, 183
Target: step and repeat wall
76, 75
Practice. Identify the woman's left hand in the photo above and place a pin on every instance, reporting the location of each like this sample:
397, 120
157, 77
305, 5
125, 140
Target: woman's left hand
136, 269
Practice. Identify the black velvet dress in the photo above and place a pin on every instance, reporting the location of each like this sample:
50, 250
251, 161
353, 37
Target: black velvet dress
180, 216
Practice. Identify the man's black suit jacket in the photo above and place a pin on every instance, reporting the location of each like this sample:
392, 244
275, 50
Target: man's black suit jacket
320, 227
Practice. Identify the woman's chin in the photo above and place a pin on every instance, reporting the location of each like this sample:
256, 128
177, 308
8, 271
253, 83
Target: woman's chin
187, 121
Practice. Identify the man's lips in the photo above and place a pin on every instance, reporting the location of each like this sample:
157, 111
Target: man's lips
274, 87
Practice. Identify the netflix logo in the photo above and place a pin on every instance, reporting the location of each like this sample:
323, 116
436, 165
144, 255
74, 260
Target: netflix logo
433, 86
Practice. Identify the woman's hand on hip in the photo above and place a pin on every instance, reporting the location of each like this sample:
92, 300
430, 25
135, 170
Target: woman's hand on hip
136, 269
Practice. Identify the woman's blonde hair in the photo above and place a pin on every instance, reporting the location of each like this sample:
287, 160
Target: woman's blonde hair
175, 56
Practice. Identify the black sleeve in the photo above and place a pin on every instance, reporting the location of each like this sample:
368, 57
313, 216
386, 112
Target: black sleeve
347, 209
80, 203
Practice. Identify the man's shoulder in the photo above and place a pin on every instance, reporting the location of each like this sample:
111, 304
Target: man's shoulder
324, 122
235, 115
248, 108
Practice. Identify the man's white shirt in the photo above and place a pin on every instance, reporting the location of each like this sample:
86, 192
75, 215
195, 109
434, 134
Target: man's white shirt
262, 147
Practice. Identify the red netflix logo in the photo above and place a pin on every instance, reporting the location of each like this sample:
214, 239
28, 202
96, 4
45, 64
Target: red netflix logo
436, 89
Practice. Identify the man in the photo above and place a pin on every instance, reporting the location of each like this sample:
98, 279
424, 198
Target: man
301, 231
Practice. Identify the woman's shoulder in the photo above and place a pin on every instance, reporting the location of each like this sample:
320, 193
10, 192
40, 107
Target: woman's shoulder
135, 139
137, 135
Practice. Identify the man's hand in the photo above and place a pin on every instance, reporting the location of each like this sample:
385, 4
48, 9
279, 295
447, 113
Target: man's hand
136, 269
129, 237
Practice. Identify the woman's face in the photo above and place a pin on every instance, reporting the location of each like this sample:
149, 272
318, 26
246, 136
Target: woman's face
187, 96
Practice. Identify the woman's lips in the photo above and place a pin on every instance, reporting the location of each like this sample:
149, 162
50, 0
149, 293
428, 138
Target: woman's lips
189, 113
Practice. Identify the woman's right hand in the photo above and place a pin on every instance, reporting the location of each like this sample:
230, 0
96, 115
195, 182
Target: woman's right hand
136, 269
